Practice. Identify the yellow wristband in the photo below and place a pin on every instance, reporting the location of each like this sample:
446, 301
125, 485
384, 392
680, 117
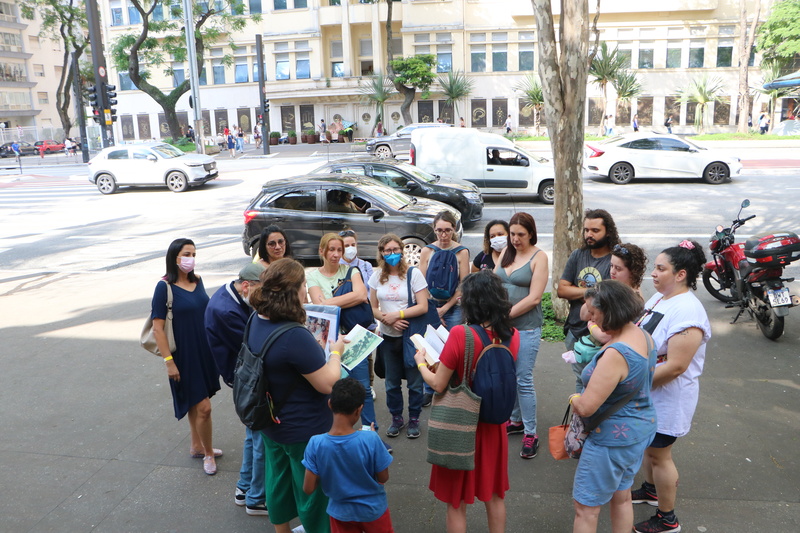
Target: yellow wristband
421, 365
593, 326
168, 358
334, 352
402, 315
573, 397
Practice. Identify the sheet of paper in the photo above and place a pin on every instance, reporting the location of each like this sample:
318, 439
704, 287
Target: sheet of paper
362, 343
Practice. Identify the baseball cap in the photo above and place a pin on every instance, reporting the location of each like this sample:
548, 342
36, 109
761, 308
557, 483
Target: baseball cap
251, 272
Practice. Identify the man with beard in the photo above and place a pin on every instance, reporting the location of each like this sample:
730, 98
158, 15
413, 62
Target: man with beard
585, 268
225, 319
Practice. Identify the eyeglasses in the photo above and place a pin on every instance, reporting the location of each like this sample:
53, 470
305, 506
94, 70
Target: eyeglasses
388, 251
619, 249
279, 242
347, 233
443, 231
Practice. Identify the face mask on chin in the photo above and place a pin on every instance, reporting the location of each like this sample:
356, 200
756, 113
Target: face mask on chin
498, 243
186, 264
350, 253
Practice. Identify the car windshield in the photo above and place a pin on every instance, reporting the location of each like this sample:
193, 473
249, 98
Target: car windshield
613, 140
167, 151
540, 160
416, 171
690, 143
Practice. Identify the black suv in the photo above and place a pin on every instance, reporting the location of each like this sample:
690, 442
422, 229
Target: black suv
309, 206
457, 193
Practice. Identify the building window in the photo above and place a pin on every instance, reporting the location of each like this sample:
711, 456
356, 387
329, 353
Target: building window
625, 54
38, 71
33, 42
444, 58
525, 56
336, 49
240, 72
255, 72
367, 67
255, 6
158, 12
674, 53
337, 69
218, 72
365, 47
202, 77
752, 61
282, 67
125, 83
646, 55
724, 52
499, 58
302, 66
134, 17
175, 9
722, 111
280, 4
116, 13
43, 99
478, 55
696, 53
300, 4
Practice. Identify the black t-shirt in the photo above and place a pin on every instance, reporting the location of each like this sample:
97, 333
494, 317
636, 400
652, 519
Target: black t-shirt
483, 261
583, 271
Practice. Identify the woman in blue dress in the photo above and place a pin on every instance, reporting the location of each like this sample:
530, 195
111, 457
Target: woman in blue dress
193, 375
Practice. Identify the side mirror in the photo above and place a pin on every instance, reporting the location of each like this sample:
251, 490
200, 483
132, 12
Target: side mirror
151, 157
523, 162
692, 151
375, 213
411, 185
745, 203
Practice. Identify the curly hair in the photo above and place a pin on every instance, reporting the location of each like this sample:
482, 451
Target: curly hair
278, 296
634, 259
402, 266
485, 300
608, 223
487, 245
691, 259
347, 396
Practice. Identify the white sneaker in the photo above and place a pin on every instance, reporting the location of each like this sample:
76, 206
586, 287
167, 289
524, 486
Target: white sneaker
299, 529
372, 391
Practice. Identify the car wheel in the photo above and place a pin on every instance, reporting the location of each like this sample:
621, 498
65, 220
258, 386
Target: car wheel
621, 173
383, 151
176, 181
47, 150
412, 249
106, 184
547, 192
716, 173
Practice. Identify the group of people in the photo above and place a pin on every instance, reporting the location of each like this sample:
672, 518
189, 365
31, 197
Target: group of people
232, 139
640, 360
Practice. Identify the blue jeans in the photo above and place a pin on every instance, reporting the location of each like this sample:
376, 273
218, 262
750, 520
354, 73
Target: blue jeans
240, 144
361, 373
525, 406
392, 351
577, 368
251, 475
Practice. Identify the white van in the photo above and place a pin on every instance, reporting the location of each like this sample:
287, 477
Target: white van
492, 162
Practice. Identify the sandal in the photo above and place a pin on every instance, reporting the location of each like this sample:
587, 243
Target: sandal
200, 455
209, 465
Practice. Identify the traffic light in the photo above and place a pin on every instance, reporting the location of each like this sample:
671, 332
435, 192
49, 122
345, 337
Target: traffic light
92, 90
111, 95
266, 105
113, 115
96, 116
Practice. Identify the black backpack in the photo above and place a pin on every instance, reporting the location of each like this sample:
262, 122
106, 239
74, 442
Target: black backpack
251, 397
494, 379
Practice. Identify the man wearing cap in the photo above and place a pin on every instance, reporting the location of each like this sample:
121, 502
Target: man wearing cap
225, 319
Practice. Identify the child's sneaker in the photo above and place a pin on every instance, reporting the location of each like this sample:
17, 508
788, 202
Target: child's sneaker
530, 446
514, 427
645, 494
413, 428
397, 424
659, 523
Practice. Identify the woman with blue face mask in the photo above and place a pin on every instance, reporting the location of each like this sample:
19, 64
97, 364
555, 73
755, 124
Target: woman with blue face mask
392, 305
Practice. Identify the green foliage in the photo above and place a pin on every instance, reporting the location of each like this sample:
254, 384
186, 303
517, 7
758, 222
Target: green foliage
292, 134
552, 330
184, 144
702, 91
456, 86
752, 136
378, 89
605, 66
772, 69
415, 71
779, 36
627, 85
274, 135
531, 90
309, 132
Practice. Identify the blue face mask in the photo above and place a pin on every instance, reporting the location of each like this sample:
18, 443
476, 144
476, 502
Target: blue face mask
393, 259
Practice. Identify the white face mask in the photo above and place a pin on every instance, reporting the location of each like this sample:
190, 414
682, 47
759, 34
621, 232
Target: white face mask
350, 253
499, 242
187, 264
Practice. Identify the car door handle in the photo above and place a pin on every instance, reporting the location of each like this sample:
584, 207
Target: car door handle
489, 170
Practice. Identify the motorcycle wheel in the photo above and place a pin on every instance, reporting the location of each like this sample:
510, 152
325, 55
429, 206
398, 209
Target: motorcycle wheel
770, 324
716, 282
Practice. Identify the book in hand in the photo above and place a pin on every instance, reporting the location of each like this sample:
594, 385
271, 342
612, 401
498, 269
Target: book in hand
432, 343
362, 343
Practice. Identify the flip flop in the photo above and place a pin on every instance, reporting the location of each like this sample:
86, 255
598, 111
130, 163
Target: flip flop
209, 466
200, 455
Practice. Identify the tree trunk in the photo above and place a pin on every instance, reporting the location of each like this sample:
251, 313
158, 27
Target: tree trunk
564, 78
408, 98
745, 44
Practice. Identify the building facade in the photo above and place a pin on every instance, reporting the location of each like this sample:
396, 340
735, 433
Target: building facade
319, 54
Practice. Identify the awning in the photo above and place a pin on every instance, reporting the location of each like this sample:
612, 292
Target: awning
790, 80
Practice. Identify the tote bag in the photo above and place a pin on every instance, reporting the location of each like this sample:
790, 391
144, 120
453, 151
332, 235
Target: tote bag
148, 339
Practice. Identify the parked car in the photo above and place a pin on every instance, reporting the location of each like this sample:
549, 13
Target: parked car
399, 142
649, 155
25, 148
150, 164
412, 180
309, 206
49, 146
490, 161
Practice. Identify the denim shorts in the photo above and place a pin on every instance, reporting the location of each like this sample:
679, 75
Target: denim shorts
603, 470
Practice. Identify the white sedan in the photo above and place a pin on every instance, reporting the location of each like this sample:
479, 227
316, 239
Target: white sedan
649, 155
152, 163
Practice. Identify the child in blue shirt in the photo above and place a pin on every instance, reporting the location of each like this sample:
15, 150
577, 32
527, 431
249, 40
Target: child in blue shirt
352, 466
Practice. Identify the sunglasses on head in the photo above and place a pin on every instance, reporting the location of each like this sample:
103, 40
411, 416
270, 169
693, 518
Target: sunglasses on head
347, 233
618, 248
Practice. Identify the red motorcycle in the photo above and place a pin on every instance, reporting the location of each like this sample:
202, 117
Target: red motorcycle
748, 275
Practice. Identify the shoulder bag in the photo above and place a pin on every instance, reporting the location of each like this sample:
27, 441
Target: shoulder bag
454, 419
148, 339
358, 314
416, 324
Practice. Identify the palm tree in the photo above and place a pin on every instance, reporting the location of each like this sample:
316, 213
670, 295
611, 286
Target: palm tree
533, 96
627, 86
771, 70
377, 91
604, 68
702, 92
456, 86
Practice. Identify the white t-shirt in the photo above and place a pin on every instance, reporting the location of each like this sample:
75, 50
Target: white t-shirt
676, 401
393, 295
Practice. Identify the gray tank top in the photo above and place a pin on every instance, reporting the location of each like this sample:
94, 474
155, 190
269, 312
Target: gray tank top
518, 285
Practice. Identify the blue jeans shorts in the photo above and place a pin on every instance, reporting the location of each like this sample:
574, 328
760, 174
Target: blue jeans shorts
603, 470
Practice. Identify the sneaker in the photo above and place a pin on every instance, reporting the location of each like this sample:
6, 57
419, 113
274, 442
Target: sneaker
514, 427
372, 391
299, 529
388, 447
397, 424
643, 495
258, 509
530, 446
239, 497
413, 428
658, 524
427, 399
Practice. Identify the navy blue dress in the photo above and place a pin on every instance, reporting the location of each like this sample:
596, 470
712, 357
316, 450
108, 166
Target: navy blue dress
199, 374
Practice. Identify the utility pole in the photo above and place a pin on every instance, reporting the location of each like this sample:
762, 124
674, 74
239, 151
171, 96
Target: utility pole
262, 95
100, 73
79, 110
194, 76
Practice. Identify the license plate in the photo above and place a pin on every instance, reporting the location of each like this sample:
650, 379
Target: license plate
779, 297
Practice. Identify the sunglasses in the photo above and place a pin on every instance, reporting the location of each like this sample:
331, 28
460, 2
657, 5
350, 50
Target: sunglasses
279, 242
347, 233
619, 249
